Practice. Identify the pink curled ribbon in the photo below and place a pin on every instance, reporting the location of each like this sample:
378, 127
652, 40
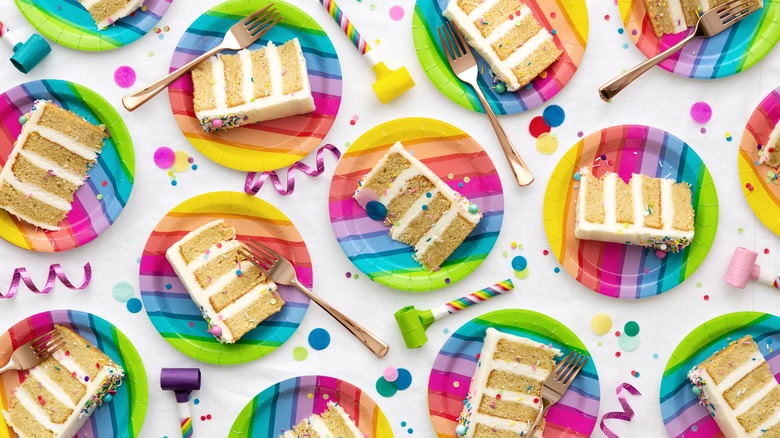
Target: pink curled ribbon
55, 272
626, 415
254, 181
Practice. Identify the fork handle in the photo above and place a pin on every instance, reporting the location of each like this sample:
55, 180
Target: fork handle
140, 97
538, 421
615, 86
519, 169
370, 340
11, 365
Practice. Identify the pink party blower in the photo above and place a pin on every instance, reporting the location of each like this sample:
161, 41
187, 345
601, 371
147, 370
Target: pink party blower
743, 267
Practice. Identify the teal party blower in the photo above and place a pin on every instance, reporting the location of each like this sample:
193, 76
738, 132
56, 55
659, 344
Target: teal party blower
413, 322
28, 54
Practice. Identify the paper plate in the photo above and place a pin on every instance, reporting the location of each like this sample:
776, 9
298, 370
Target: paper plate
680, 408
613, 269
97, 203
730, 52
170, 307
574, 416
285, 404
124, 415
276, 143
452, 155
569, 20
759, 182
69, 24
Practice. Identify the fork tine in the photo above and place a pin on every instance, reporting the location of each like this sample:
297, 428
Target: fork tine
262, 21
461, 40
258, 257
42, 338
445, 46
738, 16
260, 31
43, 346
581, 360
258, 253
256, 14
49, 351
734, 7
453, 40
563, 365
255, 261
729, 4
267, 249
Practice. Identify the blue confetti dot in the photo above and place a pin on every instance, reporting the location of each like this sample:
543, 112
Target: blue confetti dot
557, 270
410, 431
173, 183
319, 339
425, 207
404, 379
194, 167
134, 305
429, 194
519, 263
577, 176
376, 210
168, 286
403, 424
107, 398
554, 116
196, 401
625, 45
620, 31
769, 341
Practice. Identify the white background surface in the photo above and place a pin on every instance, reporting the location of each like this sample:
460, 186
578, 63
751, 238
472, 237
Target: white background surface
659, 99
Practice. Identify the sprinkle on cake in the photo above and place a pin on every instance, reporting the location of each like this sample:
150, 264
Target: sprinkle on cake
739, 389
333, 423
421, 210
252, 86
508, 36
50, 160
651, 212
107, 12
58, 395
233, 295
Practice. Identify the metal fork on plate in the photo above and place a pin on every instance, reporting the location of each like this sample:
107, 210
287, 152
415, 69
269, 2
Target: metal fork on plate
34, 351
711, 23
281, 271
557, 383
238, 37
464, 65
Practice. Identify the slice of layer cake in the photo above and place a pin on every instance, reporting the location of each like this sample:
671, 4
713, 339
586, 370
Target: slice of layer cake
651, 212
504, 32
740, 391
504, 397
58, 395
50, 160
233, 294
423, 210
333, 423
107, 12
669, 17
252, 86
770, 153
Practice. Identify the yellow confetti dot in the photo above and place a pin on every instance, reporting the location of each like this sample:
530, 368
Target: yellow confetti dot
522, 275
456, 384
325, 396
601, 323
310, 396
181, 164
377, 41
547, 143
450, 176
99, 196
514, 245
466, 180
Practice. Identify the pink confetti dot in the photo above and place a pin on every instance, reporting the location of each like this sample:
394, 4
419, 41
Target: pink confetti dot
660, 254
538, 127
701, 112
164, 157
390, 374
766, 250
397, 13
124, 76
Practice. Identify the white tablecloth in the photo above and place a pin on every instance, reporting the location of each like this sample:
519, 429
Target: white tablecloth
658, 99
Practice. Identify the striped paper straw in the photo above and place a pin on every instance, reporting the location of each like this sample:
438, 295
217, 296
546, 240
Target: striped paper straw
346, 26
3, 29
480, 296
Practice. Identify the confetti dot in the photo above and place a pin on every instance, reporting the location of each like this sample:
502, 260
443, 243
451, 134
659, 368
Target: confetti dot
554, 115
694, 428
606, 17
703, 130
181, 164
99, 196
766, 250
601, 324
538, 126
196, 401
385, 388
631, 328
122, 291
390, 374
522, 275
404, 379
410, 431
620, 30
348, 274
740, 230
556, 269
124, 76
505, 254
164, 157
456, 384
134, 305
701, 112
403, 424
396, 13
625, 46
728, 136
319, 339
191, 324
655, 356
617, 334
634, 32
300, 353
706, 297
545, 252
519, 263
376, 210
617, 354
628, 343
547, 143
447, 280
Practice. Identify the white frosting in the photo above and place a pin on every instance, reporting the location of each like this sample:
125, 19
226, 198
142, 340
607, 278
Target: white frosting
38, 193
348, 421
117, 15
473, 36
633, 234
677, 15
319, 426
274, 106
186, 273
56, 169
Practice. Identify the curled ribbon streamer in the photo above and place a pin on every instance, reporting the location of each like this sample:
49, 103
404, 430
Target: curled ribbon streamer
626, 415
55, 272
254, 182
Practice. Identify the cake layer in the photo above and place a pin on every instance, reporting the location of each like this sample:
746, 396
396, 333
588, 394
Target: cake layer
770, 152
669, 17
332, 423
252, 86
651, 212
107, 12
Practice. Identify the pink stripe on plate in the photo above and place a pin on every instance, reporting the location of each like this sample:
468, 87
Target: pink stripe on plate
326, 104
443, 383
79, 220
571, 418
156, 265
693, 415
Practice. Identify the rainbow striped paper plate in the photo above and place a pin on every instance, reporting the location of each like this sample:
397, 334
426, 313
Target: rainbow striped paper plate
452, 155
276, 143
567, 18
734, 50
290, 401
613, 269
102, 198
67, 23
574, 416
168, 303
124, 415
760, 182
683, 415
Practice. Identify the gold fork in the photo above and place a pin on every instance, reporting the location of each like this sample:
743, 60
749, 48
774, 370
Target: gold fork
464, 65
711, 23
34, 351
281, 271
238, 37
557, 383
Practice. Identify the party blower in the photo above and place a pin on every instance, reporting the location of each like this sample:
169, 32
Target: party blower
413, 322
389, 83
182, 381
743, 267
28, 54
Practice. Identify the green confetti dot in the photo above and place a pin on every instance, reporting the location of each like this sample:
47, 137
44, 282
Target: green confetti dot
385, 388
355, 276
698, 284
505, 254
522, 275
300, 353
631, 328
628, 343
740, 230
123, 291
